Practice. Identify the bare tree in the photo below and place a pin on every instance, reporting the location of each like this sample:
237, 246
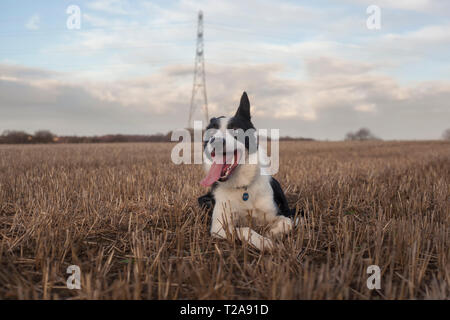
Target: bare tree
13, 137
350, 136
446, 134
43, 136
361, 135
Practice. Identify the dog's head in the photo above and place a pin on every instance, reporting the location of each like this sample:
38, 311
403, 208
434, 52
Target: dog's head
229, 144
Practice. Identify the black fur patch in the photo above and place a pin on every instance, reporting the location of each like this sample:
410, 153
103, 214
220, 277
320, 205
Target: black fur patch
244, 107
242, 120
207, 201
280, 199
238, 122
214, 123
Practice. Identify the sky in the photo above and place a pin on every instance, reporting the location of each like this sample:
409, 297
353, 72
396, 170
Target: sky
311, 68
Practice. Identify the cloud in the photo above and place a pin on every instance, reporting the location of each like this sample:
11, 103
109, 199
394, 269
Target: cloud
371, 107
33, 23
22, 73
435, 6
239, 33
312, 70
117, 7
425, 36
324, 105
320, 66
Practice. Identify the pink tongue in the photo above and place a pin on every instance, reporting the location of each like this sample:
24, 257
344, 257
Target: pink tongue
216, 169
213, 174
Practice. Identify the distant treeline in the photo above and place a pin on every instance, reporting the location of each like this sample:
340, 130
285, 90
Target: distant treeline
287, 138
45, 136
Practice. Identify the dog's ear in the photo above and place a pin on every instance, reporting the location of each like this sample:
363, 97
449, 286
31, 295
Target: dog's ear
244, 107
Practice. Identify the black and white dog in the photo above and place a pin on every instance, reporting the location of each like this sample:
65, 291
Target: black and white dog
239, 190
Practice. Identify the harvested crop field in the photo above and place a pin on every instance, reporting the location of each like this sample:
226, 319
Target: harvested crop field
129, 219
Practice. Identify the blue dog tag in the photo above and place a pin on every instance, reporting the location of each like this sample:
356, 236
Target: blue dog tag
245, 196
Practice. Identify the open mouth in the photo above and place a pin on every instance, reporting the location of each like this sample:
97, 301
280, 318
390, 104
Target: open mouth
223, 170
228, 168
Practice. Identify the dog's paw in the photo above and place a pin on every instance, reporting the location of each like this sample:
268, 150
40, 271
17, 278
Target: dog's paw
265, 244
255, 239
281, 226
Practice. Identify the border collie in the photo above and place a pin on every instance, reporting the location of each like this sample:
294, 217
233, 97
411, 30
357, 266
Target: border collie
239, 189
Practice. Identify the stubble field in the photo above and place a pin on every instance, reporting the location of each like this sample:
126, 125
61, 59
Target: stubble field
129, 219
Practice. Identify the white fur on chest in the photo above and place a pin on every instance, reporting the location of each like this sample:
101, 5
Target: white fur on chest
260, 198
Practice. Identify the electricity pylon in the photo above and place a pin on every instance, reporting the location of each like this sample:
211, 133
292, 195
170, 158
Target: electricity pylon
199, 74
